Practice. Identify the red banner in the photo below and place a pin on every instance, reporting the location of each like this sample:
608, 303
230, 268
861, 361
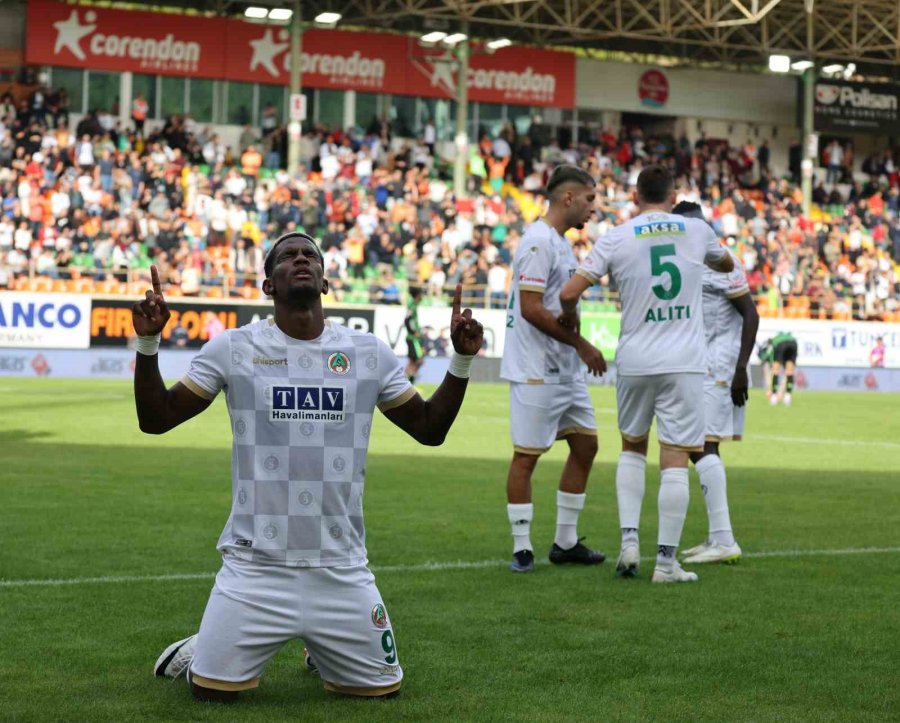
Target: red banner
106, 39
143, 42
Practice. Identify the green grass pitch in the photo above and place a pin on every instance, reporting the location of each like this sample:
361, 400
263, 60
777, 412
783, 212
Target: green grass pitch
804, 628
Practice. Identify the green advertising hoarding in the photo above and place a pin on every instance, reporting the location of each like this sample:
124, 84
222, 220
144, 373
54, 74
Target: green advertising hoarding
601, 328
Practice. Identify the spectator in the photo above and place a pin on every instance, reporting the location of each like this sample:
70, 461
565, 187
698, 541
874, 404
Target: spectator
139, 110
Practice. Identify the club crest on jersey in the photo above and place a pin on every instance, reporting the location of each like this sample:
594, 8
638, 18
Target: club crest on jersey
379, 616
307, 404
339, 363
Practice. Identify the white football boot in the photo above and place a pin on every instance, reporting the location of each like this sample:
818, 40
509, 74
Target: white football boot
729, 554
175, 659
696, 549
673, 574
787, 399
629, 560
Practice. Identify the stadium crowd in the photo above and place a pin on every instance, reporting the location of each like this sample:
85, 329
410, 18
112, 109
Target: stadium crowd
91, 205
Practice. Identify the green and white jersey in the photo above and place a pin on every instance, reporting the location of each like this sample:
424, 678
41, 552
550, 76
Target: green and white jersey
722, 321
657, 260
781, 337
301, 415
544, 261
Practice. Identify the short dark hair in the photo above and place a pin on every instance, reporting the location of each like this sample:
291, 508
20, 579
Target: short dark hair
689, 209
654, 184
269, 265
568, 174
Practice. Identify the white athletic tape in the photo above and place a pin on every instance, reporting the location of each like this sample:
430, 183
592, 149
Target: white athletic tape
421, 567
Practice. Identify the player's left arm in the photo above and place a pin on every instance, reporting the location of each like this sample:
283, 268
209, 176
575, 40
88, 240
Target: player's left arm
570, 295
429, 421
588, 273
740, 384
717, 256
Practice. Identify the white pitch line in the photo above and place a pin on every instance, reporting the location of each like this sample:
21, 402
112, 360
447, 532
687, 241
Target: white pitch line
829, 442
421, 567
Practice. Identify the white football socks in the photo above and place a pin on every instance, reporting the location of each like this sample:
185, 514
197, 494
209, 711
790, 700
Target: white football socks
568, 507
674, 494
715, 492
520, 521
630, 474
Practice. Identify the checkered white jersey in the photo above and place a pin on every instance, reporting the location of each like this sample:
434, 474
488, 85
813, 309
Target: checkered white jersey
301, 415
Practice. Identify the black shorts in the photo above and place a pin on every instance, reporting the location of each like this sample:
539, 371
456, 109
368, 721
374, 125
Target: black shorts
413, 349
786, 351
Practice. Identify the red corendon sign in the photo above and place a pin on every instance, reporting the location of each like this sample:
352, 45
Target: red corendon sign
143, 42
115, 40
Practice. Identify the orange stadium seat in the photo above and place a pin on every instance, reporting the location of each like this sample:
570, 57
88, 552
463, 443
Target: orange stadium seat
249, 292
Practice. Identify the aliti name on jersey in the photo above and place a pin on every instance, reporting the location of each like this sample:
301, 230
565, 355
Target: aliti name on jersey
671, 313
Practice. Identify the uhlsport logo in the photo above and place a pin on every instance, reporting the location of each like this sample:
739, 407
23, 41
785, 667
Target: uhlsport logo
307, 404
339, 363
379, 616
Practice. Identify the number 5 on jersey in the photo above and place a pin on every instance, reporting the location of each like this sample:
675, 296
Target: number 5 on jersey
658, 267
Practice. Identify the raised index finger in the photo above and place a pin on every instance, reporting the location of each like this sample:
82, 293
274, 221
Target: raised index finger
457, 299
154, 279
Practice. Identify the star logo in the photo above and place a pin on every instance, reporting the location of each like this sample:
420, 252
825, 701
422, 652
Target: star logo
70, 32
265, 49
442, 72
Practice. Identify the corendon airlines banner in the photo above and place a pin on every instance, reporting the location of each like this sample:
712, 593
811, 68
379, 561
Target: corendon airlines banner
106, 39
142, 42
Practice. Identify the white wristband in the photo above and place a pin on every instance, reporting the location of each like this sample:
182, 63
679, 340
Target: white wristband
460, 365
147, 345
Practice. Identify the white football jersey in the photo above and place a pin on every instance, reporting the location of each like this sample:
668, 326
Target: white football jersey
657, 260
544, 261
301, 415
721, 320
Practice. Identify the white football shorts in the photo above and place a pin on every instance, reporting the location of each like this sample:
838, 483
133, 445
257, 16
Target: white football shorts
255, 609
676, 400
539, 414
724, 421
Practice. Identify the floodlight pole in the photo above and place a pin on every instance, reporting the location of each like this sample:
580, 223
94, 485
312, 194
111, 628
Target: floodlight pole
293, 160
810, 140
461, 161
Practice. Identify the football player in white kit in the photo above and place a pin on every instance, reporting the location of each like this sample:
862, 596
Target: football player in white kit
548, 392
657, 260
731, 322
301, 392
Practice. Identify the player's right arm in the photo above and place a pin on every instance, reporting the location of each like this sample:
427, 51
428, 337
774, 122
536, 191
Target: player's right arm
539, 316
158, 409
532, 267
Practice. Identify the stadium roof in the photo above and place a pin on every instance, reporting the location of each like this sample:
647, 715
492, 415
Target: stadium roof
722, 32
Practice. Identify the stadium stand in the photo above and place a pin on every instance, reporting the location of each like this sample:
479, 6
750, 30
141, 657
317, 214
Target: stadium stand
88, 208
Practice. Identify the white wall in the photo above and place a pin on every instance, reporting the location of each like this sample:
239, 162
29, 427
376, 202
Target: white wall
747, 97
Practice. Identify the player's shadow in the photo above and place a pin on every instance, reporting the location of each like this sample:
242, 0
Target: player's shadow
11, 437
